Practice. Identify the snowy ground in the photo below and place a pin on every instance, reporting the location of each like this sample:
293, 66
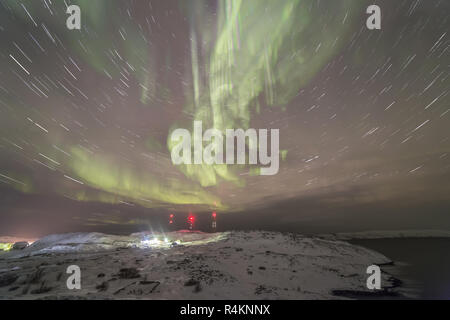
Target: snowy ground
229, 265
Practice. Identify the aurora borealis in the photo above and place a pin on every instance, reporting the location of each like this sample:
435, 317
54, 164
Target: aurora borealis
86, 114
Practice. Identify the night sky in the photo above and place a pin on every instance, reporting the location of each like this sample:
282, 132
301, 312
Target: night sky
86, 115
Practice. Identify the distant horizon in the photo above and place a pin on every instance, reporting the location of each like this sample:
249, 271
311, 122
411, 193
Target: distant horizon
359, 102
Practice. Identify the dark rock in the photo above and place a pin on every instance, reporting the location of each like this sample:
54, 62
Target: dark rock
198, 288
42, 289
26, 289
20, 245
152, 285
102, 287
358, 294
7, 279
35, 277
262, 289
129, 273
191, 282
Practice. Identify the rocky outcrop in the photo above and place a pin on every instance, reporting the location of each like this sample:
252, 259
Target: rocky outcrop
20, 245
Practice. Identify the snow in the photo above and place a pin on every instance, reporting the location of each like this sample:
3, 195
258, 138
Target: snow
228, 265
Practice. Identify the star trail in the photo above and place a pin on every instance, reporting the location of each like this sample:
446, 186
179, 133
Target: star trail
86, 115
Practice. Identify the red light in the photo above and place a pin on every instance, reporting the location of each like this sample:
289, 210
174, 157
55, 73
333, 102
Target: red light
214, 214
171, 215
191, 218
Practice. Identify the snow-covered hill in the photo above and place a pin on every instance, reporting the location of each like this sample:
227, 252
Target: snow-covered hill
190, 265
